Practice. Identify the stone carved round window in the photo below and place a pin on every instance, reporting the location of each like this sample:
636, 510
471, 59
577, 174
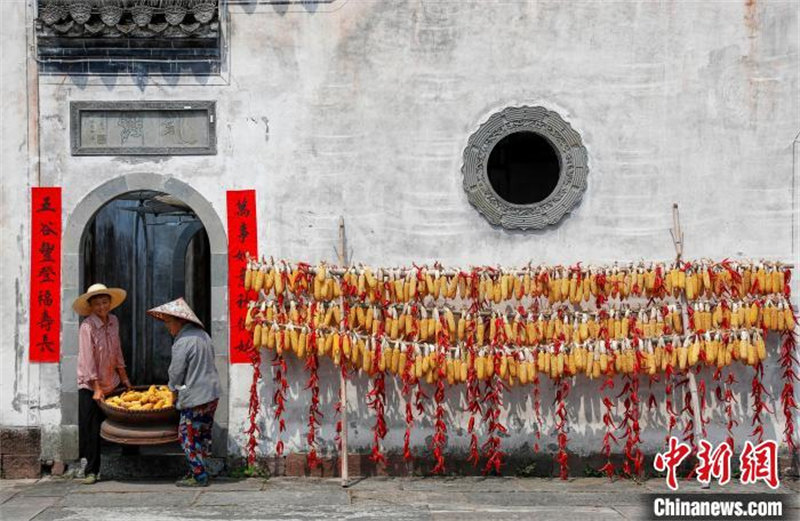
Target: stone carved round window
524, 168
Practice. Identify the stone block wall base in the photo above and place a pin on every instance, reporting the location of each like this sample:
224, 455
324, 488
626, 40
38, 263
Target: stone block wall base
20, 450
20, 467
20, 440
521, 465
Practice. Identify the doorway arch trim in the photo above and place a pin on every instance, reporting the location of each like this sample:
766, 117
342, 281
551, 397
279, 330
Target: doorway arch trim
76, 223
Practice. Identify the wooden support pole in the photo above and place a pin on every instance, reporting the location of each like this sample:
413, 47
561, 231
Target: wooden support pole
342, 380
677, 239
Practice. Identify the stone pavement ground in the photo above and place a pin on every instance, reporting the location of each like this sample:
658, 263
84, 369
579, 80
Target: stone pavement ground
440, 499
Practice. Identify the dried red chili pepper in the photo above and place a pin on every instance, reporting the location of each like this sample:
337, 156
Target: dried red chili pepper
408, 379
669, 377
474, 407
632, 465
314, 413
473, 397
724, 395
376, 400
759, 406
561, 417
439, 427
537, 402
790, 377
254, 431
493, 398
279, 397
608, 421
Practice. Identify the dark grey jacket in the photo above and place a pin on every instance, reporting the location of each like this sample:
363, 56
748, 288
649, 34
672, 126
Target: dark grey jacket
192, 371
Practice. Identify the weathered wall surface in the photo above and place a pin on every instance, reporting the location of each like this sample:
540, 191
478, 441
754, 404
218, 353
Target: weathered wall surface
18, 380
362, 109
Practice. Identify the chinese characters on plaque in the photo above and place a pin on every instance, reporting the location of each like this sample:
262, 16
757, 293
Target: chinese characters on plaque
242, 239
45, 306
143, 128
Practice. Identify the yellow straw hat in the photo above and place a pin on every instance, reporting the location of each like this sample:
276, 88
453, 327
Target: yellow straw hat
82, 306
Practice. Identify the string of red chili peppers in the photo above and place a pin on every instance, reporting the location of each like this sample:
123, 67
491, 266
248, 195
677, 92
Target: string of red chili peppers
493, 398
473, 384
788, 403
439, 426
312, 365
562, 390
608, 420
376, 400
253, 430
407, 378
537, 406
313, 409
669, 387
788, 360
759, 405
688, 426
343, 368
473, 405
632, 465
279, 398
724, 394
419, 393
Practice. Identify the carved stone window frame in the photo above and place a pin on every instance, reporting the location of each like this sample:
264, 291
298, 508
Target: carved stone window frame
78, 149
573, 172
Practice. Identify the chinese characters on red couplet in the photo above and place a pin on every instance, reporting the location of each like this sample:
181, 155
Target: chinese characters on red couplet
242, 239
45, 305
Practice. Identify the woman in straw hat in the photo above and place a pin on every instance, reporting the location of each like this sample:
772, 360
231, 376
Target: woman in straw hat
101, 367
193, 376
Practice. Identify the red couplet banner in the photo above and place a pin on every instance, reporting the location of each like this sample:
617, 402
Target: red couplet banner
45, 308
242, 239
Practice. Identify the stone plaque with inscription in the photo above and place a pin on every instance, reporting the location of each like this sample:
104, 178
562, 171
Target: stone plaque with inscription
143, 128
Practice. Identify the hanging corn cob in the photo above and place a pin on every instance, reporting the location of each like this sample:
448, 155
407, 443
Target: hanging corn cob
437, 324
576, 284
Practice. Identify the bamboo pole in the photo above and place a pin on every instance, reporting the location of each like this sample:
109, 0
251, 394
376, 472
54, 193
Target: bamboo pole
677, 239
342, 379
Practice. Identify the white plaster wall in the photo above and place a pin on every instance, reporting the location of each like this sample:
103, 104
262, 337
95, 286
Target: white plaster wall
362, 109
14, 279
28, 392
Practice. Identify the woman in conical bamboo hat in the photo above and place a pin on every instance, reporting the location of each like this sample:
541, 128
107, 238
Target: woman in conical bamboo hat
193, 377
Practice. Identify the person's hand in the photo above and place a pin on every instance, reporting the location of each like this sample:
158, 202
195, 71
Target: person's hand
127, 384
99, 396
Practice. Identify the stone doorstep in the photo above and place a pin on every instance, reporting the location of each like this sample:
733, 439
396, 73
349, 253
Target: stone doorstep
20, 467
150, 466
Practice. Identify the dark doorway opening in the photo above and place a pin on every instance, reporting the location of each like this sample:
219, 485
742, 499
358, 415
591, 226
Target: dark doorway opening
524, 168
153, 246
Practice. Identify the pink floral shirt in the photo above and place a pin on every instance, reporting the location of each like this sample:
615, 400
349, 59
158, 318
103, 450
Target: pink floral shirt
99, 353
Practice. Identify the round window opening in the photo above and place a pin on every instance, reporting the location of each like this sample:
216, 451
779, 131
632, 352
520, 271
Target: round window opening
523, 168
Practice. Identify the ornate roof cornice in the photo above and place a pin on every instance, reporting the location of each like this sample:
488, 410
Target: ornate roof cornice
128, 19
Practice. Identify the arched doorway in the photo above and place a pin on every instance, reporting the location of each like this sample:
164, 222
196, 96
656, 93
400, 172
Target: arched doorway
205, 237
154, 246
